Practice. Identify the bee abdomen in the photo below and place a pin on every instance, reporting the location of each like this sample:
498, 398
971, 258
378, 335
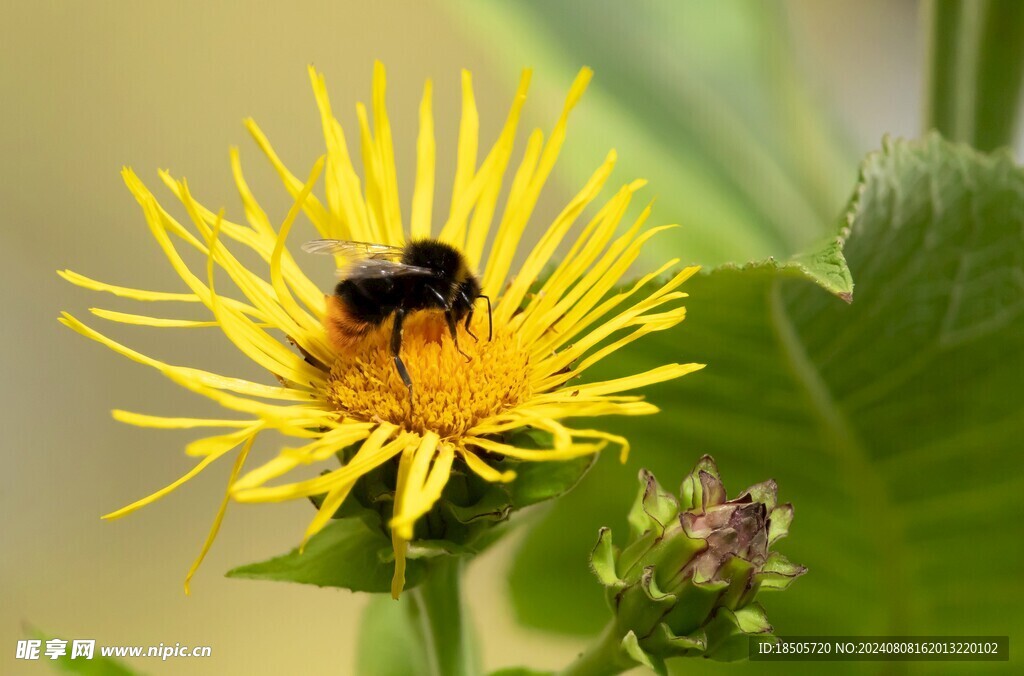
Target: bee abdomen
342, 325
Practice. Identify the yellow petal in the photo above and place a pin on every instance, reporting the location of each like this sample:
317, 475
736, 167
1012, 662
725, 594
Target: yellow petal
220, 443
312, 339
561, 376
124, 291
535, 455
153, 497
332, 501
344, 194
311, 413
423, 191
312, 207
571, 280
631, 317
519, 418
304, 329
385, 153
483, 470
321, 448
398, 543
263, 238
469, 133
219, 518
423, 490
517, 213
496, 164
161, 422
252, 341
375, 209
506, 239
143, 320
622, 441
656, 375
195, 378
577, 312
538, 259
373, 453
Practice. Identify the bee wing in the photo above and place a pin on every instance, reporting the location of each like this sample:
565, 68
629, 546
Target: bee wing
352, 251
378, 268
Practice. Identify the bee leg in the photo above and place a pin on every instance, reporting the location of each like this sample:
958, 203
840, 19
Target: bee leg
490, 322
469, 315
450, 316
469, 319
396, 353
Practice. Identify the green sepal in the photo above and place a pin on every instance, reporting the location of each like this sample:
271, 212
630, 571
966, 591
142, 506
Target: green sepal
766, 492
670, 557
728, 632
602, 560
739, 572
631, 647
778, 572
653, 508
429, 549
693, 605
665, 643
691, 493
641, 606
493, 507
629, 563
780, 520
752, 619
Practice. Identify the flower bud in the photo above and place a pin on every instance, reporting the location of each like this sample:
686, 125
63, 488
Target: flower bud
686, 582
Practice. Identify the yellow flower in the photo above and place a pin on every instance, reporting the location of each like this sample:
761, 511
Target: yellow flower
550, 321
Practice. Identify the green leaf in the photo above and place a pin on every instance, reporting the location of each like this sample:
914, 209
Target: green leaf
892, 424
539, 481
351, 552
720, 117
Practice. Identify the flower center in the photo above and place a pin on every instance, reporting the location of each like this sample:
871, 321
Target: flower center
450, 394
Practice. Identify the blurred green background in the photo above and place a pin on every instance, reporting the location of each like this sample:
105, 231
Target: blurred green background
748, 118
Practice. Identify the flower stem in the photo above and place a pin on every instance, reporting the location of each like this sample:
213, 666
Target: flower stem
603, 658
437, 611
1000, 73
975, 70
950, 80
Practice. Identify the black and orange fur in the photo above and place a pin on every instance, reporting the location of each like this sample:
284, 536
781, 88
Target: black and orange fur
360, 305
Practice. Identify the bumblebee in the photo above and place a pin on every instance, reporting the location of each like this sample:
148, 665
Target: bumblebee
379, 281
